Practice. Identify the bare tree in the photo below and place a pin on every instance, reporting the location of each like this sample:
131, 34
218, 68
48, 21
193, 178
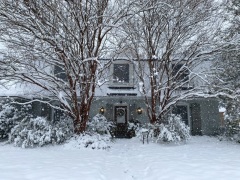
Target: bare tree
170, 39
227, 76
55, 45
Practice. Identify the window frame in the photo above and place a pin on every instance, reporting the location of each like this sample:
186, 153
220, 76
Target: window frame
183, 75
129, 84
124, 78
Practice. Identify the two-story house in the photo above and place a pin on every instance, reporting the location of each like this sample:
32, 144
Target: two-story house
121, 100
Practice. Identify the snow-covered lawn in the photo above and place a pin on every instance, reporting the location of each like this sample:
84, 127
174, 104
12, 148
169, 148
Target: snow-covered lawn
201, 158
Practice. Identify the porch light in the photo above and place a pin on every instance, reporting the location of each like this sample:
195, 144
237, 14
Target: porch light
139, 110
101, 110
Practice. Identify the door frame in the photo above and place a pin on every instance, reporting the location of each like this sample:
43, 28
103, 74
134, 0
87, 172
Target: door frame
124, 105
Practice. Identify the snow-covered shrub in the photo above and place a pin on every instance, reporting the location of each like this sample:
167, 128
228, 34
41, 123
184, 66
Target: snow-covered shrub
133, 129
89, 140
98, 134
10, 116
39, 131
7, 120
232, 130
232, 121
99, 124
173, 129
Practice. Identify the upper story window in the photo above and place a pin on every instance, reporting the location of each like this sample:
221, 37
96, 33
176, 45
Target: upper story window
180, 73
121, 74
60, 73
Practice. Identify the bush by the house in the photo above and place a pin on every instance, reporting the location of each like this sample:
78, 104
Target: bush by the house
98, 134
172, 129
89, 140
232, 130
7, 120
10, 116
232, 121
99, 124
133, 128
39, 132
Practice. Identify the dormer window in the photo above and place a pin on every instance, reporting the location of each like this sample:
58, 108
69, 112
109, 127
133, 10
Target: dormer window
121, 74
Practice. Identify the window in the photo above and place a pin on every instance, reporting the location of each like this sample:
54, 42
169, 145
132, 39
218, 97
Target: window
60, 73
179, 73
120, 73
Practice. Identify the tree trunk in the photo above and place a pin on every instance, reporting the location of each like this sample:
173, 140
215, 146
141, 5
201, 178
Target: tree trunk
80, 123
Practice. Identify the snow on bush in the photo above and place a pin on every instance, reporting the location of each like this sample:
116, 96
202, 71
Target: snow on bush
92, 141
98, 135
173, 129
232, 121
232, 130
10, 117
99, 124
39, 131
7, 120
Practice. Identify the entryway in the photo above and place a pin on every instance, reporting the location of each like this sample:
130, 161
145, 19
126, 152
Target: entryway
121, 119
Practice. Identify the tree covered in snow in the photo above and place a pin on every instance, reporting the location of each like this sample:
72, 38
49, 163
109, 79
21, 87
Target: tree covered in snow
55, 46
227, 68
170, 39
227, 80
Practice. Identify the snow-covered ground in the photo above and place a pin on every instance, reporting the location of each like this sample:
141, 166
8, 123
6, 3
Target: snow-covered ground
200, 158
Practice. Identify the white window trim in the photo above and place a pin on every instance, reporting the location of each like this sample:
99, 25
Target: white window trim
131, 77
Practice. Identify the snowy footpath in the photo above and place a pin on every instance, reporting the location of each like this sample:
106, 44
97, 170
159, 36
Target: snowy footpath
202, 158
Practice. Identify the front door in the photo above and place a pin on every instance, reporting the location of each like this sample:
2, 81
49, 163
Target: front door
120, 117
